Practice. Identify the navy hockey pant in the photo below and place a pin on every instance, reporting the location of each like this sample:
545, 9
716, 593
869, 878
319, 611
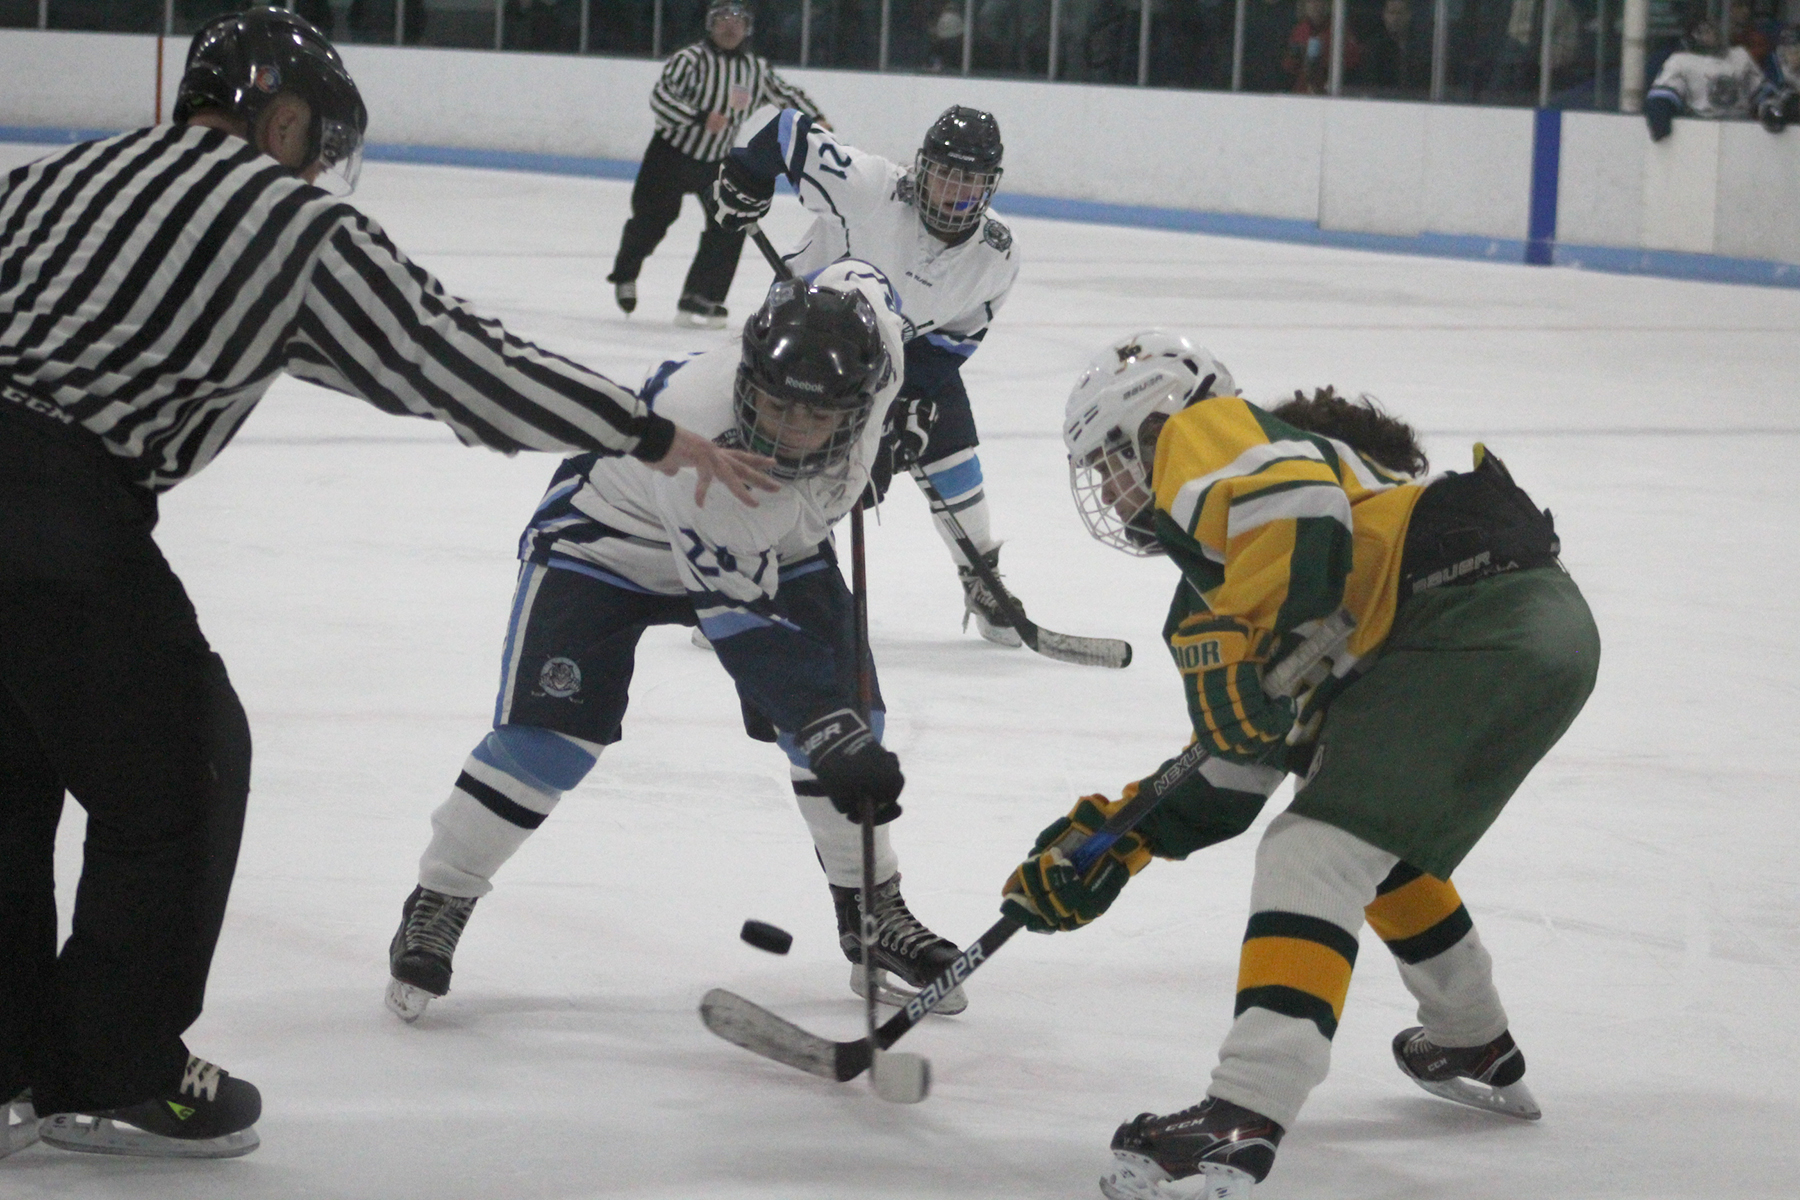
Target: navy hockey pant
108, 691
663, 178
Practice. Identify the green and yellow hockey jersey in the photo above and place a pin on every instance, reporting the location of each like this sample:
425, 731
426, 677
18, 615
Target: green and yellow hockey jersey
1274, 528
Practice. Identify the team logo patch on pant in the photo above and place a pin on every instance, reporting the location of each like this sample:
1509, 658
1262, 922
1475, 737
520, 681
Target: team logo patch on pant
560, 678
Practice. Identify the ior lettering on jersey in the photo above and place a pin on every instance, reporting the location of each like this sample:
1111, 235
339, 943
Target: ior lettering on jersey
560, 678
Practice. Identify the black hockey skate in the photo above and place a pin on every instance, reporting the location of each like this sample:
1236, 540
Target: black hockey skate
1490, 1077
18, 1124
419, 956
979, 601
902, 945
211, 1115
695, 311
625, 292
1215, 1150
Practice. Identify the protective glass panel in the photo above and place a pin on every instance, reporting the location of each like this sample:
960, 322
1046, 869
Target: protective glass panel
926, 36
1097, 41
1493, 51
18, 14
1387, 48
622, 27
1011, 39
1273, 62
777, 33
109, 16
684, 22
552, 25
465, 23
375, 21
845, 33
1585, 68
1190, 44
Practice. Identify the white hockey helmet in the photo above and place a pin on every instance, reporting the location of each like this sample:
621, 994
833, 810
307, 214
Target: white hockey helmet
1109, 463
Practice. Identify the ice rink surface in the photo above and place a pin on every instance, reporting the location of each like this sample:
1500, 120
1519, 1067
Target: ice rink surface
1641, 895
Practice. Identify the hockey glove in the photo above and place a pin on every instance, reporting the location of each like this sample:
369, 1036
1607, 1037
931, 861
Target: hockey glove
737, 198
1045, 894
1659, 114
1221, 663
852, 766
907, 430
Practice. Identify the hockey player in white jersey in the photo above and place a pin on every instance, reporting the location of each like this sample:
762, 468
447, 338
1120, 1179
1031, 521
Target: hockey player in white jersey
610, 552
1710, 80
929, 229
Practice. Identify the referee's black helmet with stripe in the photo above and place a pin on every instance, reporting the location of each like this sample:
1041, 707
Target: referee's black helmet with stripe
813, 360
957, 169
239, 62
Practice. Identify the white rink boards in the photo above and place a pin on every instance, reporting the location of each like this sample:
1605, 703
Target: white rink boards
1640, 895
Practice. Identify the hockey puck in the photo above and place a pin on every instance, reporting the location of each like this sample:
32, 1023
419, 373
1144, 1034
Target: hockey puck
765, 936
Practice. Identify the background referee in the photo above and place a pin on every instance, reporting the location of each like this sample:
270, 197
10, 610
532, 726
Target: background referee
706, 93
152, 286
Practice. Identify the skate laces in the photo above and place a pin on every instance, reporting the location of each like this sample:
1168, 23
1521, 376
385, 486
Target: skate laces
896, 928
436, 922
200, 1080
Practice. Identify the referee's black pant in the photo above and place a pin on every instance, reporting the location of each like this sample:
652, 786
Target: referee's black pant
664, 177
108, 691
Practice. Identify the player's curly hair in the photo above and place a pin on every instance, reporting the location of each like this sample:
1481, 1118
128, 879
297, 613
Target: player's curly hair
1361, 422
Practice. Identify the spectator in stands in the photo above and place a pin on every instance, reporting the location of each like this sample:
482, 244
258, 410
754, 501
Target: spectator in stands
1398, 57
1756, 34
1778, 105
1706, 79
1308, 61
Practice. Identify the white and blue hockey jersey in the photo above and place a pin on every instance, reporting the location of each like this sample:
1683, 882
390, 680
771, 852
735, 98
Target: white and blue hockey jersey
864, 207
624, 522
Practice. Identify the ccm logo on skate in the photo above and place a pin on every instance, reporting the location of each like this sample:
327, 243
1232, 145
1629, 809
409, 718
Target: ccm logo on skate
965, 964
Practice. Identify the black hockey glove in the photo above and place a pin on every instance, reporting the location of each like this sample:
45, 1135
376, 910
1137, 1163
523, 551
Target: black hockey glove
1659, 114
737, 198
907, 430
852, 765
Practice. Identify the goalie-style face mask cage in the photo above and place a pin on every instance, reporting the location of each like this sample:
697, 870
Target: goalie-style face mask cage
813, 360
1114, 414
957, 170
239, 63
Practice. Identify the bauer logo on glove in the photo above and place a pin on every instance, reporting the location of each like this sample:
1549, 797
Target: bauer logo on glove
1045, 893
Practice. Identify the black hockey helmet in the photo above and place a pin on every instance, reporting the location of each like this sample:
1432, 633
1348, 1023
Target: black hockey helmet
239, 62
718, 9
957, 169
813, 360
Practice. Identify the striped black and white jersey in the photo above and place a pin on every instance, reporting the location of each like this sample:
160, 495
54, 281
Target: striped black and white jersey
154, 284
702, 79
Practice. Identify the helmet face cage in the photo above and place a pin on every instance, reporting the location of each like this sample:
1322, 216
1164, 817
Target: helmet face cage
719, 11
813, 360
1109, 468
805, 440
957, 169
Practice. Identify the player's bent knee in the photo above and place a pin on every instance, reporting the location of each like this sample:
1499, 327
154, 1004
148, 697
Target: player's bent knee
542, 758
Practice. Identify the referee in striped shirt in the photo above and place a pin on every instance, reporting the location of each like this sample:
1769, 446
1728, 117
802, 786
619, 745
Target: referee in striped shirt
706, 93
152, 286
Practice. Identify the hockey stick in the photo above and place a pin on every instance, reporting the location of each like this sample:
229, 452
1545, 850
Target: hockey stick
1063, 647
760, 1031
897, 1078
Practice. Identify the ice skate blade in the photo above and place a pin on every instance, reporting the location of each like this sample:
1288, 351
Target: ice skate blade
1000, 635
900, 1078
18, 1126
1513, 1100
103, 1135
897, 997
700, 641
406, 1001
688, 320
1136, 1177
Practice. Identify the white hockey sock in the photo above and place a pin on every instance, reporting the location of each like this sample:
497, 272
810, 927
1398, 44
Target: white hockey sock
499, 799
839, 840
958, 480
1458, 1003
1306, 906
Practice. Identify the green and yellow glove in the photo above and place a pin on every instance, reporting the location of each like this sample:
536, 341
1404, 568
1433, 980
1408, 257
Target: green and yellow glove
1045, 894
1221, 662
